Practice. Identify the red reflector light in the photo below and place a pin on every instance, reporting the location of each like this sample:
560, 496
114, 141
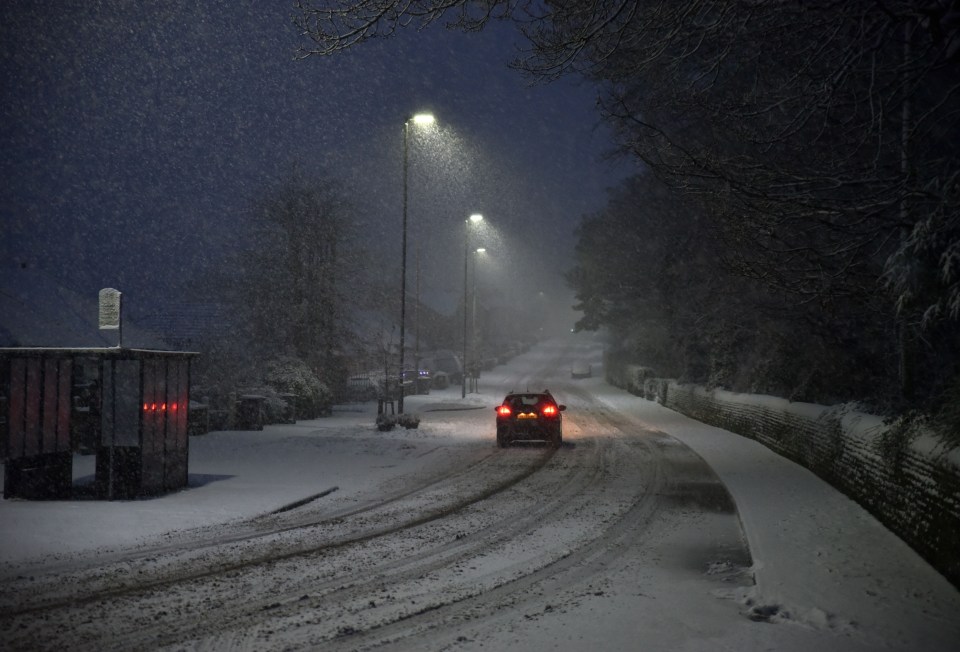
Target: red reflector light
173, 407
153, 407
145, 407
503, 411
549, 410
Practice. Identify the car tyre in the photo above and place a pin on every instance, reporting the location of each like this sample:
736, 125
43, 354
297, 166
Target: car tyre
501, 438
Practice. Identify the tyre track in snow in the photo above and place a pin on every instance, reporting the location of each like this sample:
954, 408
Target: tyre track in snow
640, 475
129, 574
411, 597
468, 550
283, 519
675, 481
265, 538
238, 596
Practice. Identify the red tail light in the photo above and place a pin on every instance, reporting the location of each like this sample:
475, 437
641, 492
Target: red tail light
503, 411
549, 410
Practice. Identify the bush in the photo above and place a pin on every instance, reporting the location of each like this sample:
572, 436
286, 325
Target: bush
292, 376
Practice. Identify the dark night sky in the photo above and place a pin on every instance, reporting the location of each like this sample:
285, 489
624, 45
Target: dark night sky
133, 139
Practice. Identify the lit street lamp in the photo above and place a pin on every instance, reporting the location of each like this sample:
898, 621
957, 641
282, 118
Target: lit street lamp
419, 119
473, 312
476, 218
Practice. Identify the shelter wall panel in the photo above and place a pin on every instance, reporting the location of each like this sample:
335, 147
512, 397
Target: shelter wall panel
48, 407
151, 472
17, 409
169, 416
33, 390
183, 403
108, 427
175, 469
127, 411
152, 442
64, 405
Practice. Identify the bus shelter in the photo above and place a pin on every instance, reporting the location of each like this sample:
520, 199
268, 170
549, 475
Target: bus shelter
134, 404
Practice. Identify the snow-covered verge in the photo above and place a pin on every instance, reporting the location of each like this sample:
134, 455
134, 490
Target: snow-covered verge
911, 484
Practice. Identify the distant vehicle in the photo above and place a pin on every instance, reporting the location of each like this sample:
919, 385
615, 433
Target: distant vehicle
441, 380
443, 364
360, 389
581, 370
529, 416
416, 382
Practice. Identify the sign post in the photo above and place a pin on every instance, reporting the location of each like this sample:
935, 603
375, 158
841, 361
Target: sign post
111, 317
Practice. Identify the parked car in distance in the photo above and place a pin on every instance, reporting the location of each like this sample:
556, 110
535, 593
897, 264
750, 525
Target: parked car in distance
415, 382
524, 416
443, 363
440, 380
580, 369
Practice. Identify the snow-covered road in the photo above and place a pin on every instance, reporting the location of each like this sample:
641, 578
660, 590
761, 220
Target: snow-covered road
646, 530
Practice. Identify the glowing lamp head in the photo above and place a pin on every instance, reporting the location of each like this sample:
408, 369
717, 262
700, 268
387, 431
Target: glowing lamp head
423, 119
476, 217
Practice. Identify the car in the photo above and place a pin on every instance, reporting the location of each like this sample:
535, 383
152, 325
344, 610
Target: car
416, 382
440, 380
443, 364
580, 369
530, 416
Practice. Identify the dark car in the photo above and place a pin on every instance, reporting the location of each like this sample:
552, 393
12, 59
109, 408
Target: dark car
529, 416
416, 382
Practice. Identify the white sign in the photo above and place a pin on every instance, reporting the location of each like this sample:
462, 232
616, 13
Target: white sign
109, 309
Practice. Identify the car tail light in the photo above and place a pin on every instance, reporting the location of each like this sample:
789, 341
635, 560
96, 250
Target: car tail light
549, 410
503, 411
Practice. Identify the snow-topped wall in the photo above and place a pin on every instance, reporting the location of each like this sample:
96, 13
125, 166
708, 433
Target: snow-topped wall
910, 482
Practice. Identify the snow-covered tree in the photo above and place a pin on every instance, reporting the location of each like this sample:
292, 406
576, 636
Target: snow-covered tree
293, 283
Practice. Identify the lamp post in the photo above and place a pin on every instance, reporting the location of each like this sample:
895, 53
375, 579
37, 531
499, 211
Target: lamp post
476, 218
473, 311
419, 119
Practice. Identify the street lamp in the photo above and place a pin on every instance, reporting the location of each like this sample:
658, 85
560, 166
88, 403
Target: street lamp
473, 311
422, 119
476, 218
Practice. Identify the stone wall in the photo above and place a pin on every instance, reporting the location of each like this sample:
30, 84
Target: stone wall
909, 482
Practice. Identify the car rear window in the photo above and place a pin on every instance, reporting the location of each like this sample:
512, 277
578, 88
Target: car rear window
526, 400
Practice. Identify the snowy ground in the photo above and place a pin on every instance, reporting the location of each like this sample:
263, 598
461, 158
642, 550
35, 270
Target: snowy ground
825, 573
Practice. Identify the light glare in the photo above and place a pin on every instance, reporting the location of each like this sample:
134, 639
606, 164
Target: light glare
476, 217
423, 119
